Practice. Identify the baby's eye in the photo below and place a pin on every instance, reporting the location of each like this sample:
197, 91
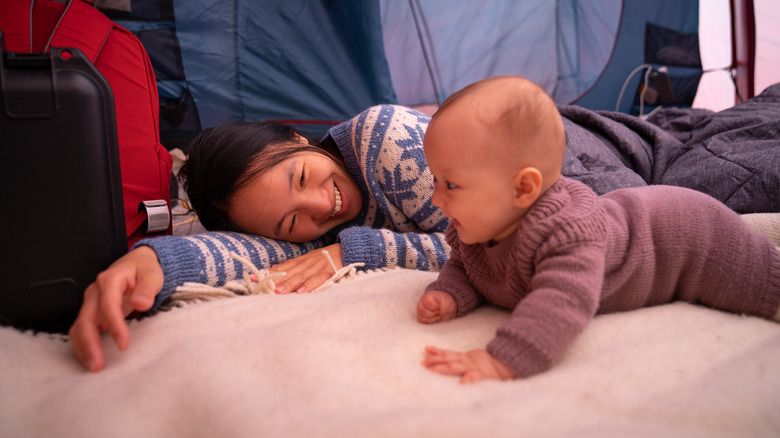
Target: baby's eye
451, 186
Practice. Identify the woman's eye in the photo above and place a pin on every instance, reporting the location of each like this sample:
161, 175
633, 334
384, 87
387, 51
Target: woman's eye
292, 223
302, 175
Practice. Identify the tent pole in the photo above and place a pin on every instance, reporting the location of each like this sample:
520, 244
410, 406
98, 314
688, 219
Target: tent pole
743, 48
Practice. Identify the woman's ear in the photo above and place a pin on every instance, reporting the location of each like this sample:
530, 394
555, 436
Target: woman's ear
528, 186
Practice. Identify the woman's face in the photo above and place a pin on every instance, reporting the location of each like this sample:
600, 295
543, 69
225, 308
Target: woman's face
297, 200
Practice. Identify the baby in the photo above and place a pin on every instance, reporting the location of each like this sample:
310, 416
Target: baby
527, 239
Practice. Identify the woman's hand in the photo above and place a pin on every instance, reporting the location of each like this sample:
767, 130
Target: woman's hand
305, 273
130, 283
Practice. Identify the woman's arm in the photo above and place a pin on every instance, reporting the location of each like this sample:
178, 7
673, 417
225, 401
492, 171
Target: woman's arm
205, 258
388, 249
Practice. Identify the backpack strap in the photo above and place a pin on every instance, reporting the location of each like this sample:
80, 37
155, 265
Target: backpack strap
81, 27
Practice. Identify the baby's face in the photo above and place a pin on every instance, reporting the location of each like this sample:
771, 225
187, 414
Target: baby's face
473, 184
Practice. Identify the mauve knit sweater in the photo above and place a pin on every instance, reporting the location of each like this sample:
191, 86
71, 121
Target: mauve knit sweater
576, 254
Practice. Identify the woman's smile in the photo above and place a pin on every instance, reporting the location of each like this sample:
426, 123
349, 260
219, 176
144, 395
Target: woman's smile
337, 201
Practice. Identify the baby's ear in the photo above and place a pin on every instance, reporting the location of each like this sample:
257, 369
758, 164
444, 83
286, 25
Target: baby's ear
528, 186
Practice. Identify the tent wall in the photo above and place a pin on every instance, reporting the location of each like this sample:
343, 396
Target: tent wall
629, 50
317, 62
436, 47
292, 60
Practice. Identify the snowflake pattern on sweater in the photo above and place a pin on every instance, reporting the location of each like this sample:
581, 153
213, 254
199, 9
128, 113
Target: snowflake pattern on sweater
398, 225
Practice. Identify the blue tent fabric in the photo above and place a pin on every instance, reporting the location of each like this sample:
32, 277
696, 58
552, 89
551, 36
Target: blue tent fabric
586, 32
629, 49
318, 62
436, 47
285, 60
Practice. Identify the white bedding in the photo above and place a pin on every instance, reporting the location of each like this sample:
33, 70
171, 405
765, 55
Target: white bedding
344, 362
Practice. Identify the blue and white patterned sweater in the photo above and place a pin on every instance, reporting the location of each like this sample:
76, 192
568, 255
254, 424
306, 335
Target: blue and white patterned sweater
398, 225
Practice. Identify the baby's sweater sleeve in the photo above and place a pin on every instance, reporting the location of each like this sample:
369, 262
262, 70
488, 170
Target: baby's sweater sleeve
564, 298
453, 279
205, 258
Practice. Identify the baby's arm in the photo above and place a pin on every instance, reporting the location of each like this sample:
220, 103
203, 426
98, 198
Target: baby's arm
471, 366
436, 306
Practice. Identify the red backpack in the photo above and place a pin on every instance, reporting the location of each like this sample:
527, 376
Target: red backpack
36, 26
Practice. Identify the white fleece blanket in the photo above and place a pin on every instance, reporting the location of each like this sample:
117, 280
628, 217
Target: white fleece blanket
345, 362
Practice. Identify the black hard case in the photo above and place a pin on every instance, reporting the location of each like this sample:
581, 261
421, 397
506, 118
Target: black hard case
61, 212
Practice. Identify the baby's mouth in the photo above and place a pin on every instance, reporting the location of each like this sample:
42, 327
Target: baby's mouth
337, 208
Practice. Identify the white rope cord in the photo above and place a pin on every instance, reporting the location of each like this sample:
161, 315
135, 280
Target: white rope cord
262, 284
347, 271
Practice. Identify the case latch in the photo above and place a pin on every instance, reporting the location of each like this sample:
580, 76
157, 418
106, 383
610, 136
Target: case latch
157, 215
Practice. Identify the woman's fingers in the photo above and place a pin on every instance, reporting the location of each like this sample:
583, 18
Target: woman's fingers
85, 333
111, 317
303, 281
305, 273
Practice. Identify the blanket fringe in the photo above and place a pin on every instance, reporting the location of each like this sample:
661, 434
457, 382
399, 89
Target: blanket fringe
263, 283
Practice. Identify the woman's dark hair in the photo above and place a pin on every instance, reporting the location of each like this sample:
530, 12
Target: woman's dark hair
222, 160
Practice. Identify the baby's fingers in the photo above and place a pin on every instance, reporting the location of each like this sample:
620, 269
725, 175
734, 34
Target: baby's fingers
445, 367
425, 314
444, 361
472, 376
431, 350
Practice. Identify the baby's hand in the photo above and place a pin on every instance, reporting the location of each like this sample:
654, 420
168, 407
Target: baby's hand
470, 366
436, 306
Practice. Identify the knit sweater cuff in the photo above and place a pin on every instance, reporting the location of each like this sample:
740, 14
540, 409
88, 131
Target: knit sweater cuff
771, 307
362, 245
172, 253
522, 357
466, 298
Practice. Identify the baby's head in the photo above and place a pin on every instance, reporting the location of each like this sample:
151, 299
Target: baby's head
494, 148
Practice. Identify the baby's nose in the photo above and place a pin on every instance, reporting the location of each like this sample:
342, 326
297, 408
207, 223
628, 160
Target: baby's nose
436, 198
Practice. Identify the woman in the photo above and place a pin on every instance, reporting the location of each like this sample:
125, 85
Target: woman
363, 193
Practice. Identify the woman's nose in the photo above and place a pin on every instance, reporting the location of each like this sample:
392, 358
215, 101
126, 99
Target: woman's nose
317, 204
